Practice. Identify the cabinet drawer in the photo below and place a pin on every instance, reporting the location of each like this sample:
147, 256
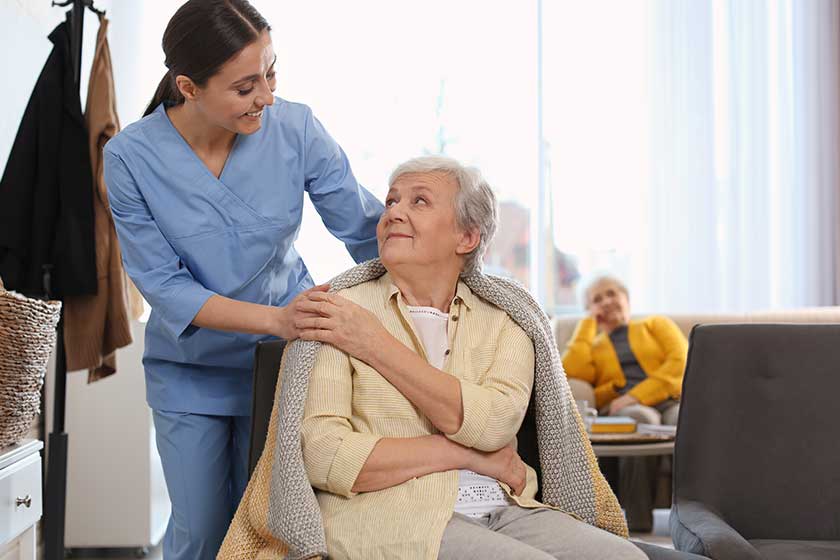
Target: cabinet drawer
20, 481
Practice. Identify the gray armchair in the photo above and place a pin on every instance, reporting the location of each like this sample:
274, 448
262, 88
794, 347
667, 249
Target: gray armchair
266, 372
757, 458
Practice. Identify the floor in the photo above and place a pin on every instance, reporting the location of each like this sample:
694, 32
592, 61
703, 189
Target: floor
659, 536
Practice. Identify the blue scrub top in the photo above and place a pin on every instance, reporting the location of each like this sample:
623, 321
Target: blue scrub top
186, 235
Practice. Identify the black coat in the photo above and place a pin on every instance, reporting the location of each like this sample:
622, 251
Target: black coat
46, 194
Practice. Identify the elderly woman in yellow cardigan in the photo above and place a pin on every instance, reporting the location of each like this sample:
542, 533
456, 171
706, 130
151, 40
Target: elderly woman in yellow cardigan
626, 367
629, 368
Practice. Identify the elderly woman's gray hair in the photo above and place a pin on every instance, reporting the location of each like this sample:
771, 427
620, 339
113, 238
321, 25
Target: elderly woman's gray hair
599, 279
475, 203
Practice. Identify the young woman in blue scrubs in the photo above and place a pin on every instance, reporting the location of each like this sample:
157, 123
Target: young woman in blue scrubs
206, 193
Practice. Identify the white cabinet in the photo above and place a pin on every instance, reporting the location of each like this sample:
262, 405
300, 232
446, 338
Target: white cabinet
116, 494
20, 499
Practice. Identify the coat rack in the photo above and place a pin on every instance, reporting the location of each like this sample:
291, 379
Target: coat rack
55, 499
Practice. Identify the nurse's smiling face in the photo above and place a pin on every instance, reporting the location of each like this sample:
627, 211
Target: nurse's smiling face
235, 96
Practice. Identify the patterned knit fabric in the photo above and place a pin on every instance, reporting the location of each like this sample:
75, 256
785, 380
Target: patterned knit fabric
279, 516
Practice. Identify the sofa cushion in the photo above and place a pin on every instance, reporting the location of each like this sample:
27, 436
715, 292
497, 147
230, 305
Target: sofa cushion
775, 549
655, 552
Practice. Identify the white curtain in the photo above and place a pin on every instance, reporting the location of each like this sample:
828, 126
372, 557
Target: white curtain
745, 184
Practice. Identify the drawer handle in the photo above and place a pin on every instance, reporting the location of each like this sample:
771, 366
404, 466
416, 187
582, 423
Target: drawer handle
27, 501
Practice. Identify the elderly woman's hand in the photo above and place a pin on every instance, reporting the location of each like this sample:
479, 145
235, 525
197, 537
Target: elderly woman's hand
338, 321
505, 465
281, 320
622, 402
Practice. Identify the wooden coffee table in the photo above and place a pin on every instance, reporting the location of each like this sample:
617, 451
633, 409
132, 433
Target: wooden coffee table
637, 444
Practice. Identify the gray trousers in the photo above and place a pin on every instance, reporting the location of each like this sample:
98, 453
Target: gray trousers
518, 533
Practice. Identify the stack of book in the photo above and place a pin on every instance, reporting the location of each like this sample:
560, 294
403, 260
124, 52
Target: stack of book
656, 429
613, 425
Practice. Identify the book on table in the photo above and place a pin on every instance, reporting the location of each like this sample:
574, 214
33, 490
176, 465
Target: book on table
657, 429
613, 425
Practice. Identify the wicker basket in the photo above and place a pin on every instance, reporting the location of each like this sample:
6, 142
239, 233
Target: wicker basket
27, 337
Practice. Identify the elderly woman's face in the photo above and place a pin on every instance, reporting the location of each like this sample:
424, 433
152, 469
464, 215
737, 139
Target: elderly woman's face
608, 303
418, 226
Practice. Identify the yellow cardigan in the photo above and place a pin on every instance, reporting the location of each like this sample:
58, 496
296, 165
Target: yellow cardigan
658, 344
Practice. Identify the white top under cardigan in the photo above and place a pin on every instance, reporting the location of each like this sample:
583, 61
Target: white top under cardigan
478, 495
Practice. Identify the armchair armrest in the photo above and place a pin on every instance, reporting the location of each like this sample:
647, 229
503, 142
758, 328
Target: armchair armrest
654, 552
696, 528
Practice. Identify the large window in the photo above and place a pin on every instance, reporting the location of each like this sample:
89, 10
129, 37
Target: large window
595, 67
688, 146
394, 80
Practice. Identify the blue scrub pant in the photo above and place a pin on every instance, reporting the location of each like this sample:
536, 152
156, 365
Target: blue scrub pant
205, 463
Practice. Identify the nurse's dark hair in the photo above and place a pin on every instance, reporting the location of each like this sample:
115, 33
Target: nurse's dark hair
200, 38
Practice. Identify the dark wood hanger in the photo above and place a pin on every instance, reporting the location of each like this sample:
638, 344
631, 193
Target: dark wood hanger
86, 3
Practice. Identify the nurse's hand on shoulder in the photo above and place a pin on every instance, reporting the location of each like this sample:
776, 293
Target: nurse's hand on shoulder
336, 320
284, 318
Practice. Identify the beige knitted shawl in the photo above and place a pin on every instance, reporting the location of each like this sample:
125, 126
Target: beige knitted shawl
279, 517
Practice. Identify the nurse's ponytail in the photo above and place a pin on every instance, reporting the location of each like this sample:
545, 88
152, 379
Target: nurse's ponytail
166, 91
200, 38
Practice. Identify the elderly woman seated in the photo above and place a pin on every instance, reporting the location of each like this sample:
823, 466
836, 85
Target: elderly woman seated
416, 396
630, 368
635, 367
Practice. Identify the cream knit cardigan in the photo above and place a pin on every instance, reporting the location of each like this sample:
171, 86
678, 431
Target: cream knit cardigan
279, 516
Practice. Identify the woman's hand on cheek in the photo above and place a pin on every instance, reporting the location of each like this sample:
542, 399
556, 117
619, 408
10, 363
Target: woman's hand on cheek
335, 320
